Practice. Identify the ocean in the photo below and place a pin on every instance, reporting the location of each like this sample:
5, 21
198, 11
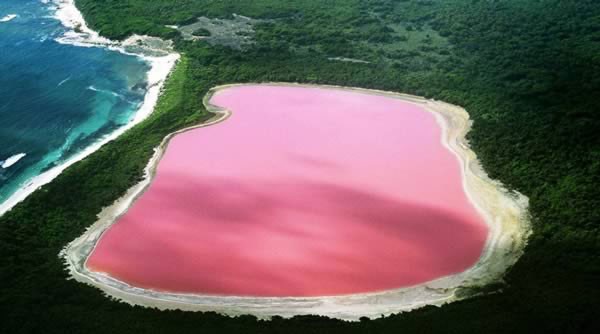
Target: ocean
56, 99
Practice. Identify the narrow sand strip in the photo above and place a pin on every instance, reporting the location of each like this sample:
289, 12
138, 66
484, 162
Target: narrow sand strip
505, 212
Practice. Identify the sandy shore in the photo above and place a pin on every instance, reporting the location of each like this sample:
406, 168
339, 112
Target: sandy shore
161, 64
505, 213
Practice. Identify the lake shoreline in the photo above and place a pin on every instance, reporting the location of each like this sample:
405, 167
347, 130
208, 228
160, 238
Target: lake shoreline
505, 214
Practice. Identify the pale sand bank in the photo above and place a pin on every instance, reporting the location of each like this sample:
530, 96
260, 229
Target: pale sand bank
504, 212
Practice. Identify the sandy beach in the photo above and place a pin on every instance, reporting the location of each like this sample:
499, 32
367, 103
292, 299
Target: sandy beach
504, 212
81, 35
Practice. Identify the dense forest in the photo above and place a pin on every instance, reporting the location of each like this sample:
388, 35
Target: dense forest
527, 71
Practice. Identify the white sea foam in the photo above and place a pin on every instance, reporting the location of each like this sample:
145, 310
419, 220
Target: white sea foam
8, 17
62, 82
12, 160
82, 35
92, 88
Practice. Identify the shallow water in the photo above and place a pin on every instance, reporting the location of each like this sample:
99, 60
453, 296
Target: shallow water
301, 192
56, 99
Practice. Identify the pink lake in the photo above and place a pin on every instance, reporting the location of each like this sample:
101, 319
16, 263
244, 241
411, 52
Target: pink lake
300, 192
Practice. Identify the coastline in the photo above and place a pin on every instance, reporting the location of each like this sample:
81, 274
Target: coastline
504, 212
161, 65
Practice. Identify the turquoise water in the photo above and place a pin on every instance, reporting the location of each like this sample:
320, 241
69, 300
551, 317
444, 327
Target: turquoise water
56, 99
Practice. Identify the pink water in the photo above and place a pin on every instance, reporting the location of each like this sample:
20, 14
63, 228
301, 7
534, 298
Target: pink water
301, 192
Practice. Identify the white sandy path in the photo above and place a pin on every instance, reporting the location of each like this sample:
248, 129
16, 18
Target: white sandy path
505, 213
160, 67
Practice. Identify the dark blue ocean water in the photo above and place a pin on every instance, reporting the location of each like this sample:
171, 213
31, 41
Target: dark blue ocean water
56, 99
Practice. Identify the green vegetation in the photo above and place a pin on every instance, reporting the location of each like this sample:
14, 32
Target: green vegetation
202, 32
528, 72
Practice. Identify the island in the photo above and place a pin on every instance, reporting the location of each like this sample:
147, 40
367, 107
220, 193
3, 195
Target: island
519, 80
